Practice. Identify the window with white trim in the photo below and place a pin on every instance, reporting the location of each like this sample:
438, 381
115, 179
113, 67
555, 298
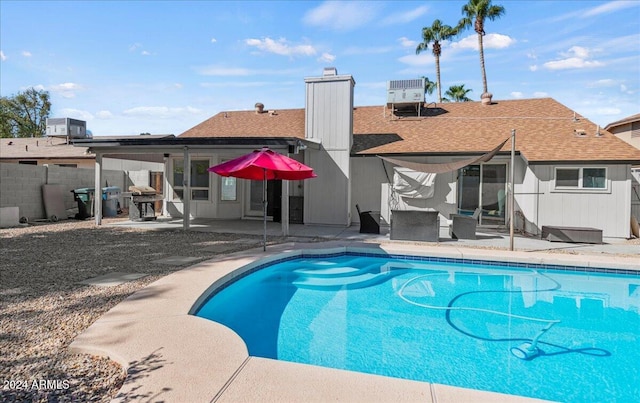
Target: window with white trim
228, 189
581, 178
199, 179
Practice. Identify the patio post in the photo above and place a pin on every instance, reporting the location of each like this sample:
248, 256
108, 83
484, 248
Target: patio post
186, 194
512, 198
97, 193
285, 208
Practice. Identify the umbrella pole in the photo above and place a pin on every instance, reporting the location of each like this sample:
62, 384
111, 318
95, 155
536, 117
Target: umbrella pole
264, 213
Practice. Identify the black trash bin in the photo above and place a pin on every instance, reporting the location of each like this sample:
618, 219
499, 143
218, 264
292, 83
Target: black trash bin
84, 198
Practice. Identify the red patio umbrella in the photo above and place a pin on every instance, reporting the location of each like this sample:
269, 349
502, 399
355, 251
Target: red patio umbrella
264, 165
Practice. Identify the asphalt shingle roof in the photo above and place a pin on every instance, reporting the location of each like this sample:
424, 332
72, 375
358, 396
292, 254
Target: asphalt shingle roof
40, 148
545, 130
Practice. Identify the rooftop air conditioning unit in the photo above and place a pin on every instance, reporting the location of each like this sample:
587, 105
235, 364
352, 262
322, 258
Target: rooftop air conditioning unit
66, 128
405, 91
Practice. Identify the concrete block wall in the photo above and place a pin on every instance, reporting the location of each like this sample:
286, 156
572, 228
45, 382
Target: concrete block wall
21, 185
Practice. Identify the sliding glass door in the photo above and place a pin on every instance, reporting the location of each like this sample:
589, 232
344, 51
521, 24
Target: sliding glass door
483, 186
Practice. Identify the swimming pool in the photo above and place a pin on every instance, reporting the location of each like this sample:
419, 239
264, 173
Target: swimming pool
526, 329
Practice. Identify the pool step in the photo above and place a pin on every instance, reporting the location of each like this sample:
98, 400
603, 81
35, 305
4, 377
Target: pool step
337, 283
339, 271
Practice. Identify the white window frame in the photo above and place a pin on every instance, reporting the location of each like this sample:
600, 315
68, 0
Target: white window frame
580, 187
176, 186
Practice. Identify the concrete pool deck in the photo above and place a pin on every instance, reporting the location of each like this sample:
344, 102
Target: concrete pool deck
173, 356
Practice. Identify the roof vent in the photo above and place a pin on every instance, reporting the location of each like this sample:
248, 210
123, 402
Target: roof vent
598, 132
329, 72
486, 98
580, 132
259, 107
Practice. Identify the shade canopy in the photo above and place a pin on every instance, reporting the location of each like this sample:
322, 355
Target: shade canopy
264, 164
445, 166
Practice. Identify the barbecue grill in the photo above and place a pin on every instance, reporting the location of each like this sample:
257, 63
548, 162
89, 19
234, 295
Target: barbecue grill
141, 207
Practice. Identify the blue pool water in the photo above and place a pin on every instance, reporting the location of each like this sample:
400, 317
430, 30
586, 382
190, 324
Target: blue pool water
452, 323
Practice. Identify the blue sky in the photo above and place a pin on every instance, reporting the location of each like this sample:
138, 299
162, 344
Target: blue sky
163, 66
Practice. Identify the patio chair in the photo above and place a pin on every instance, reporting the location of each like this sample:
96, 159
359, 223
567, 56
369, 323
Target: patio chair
464, 226
369, 221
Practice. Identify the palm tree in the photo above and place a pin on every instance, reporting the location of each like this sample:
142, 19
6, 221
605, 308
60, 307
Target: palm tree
429, 86
477, 11
434, 34
458, 93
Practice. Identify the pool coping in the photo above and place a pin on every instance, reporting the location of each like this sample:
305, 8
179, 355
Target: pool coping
172, 355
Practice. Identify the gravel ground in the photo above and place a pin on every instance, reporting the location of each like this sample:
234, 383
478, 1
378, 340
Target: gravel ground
43, 306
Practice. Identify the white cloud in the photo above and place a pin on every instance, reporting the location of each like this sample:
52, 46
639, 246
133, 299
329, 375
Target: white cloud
162, 112
341, 16
576, 51
517, 94
532, 55
138, 46
2, 56
26, 53
66, 87
422, 59
533, 67
405, 17
575, 58
214, 40
223, 71
540, 94
327, 58
626, 90
608, 8
368, 51
66, 90
407, 43
607, 111
76, 114
281, 47
104, 115
490, 41
572, 63
236, 84
608, 82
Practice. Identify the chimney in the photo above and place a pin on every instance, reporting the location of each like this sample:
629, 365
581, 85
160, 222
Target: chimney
486, 98
329, 72
259, 108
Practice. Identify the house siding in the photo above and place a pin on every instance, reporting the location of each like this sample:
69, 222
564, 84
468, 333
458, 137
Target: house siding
608, 211
329, 121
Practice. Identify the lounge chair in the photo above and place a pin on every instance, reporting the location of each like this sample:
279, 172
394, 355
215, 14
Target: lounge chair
464, 226
369, 221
